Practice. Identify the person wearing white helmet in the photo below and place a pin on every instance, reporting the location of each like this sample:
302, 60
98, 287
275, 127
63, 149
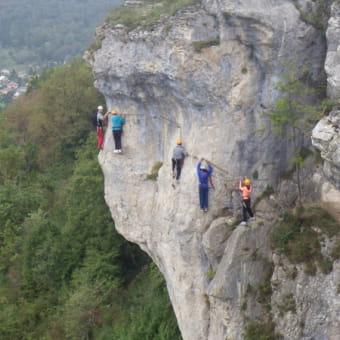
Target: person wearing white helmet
99, 126
204, 171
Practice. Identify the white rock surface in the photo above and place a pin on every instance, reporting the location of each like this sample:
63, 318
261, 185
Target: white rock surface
214, 99
332, 64
326, 138
326, 134
315, 298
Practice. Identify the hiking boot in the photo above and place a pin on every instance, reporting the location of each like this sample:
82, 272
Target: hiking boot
115, 151
252, 219
243, 223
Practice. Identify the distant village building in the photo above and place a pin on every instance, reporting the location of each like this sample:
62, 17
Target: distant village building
12, 85
3, 81
5, 90
132, 4
21, 90
5, 72
22, 74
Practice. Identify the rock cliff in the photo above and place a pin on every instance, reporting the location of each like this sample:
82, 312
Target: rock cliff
326, 134
207, 74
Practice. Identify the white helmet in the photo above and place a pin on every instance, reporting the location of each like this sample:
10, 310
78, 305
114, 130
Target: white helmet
204, 166
100, 107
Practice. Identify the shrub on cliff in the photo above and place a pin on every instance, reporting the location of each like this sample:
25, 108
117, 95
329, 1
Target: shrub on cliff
148, 14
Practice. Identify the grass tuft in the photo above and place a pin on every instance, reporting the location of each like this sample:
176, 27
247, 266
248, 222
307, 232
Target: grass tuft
261, 331
336, 250
210, 274
317, 17
154, 171
288, 304
200, 45
269, 190
148, 14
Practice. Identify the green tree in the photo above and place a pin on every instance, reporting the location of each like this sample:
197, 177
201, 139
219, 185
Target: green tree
296, 111
64, 270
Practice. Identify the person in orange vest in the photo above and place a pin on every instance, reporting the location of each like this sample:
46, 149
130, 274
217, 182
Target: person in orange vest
246, 189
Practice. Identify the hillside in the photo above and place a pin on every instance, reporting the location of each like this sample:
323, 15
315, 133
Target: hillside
65, 273
38, 32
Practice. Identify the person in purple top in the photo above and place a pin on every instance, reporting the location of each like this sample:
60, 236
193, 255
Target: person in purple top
204, 171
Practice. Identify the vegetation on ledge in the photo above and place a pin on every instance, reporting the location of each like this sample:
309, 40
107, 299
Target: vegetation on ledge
147, 14
300, 236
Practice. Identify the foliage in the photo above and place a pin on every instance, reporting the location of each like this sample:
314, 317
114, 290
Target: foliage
288, 304
298, 238
318, 16
294, 108
261, 331
147, 15
146, 312
65, 273
297, 110
154, 171
58, 111
39, 32
210, 274
269, 190
336, 250
200, 45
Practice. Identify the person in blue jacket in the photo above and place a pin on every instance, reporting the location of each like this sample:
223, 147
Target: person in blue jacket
204, 171
117, 129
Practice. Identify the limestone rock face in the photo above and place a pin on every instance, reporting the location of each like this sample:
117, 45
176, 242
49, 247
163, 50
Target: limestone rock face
301, 301
326, 134
332, 64
206, 74
326, 138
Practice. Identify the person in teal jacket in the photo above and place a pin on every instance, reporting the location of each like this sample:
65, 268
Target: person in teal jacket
117, 129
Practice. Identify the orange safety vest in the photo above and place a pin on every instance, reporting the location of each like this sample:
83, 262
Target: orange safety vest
245, 191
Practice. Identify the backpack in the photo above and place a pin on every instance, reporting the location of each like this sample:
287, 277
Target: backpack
94, 119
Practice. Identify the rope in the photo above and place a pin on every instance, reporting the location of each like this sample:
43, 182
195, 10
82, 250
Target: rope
230, 179
161, 116
213, 164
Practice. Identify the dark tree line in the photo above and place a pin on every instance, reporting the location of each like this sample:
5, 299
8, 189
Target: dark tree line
65, 273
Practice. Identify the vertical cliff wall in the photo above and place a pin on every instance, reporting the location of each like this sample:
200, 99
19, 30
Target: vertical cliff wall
206, 74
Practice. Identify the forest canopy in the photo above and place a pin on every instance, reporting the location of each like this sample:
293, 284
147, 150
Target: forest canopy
65, 273
42, 32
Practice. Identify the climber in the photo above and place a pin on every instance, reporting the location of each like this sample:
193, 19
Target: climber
98, 121
117, 129
246, 190
204, 171
178, 157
